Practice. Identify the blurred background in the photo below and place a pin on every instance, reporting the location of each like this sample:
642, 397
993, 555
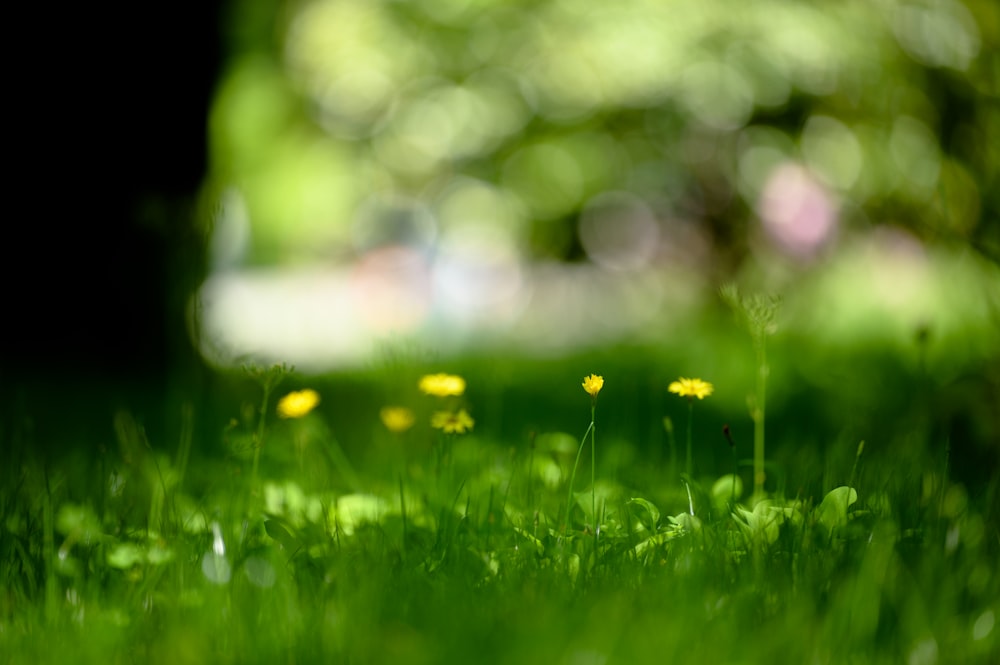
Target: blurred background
538, 178
542, 190
528, 193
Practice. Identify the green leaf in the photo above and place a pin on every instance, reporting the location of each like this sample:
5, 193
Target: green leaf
657, 540
832, 512
78, 522
279, 530
126, 555
159, 554
763, 523
685, 522
723, 491
558, 444
648, 514
539, 547
353, 510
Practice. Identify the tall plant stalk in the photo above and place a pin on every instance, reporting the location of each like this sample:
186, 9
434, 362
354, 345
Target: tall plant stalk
268, 379
572, 477
592, 385
759, 413
688, 464
757, 315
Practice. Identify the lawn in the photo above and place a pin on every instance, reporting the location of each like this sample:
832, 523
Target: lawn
516, 511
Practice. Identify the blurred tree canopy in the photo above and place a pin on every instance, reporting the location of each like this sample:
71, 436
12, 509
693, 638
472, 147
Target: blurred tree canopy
522, 116
559, 166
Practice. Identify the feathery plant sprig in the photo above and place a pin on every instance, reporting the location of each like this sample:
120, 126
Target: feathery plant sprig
756, 313
268, 378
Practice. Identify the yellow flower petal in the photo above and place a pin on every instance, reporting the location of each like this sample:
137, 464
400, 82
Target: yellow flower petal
396, 418
442, 385
691, 388
593, 384
452, 422
298, 403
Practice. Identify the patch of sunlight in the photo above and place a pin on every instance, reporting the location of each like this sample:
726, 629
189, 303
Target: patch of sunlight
883, 287
940, 34
475, 293
983, 626
761, 150
915, 152
253, 105
545, 177
300, 203
354, 510
716, 94
831, 151
352, 57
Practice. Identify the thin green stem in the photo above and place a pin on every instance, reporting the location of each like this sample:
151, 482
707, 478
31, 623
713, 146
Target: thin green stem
187, 435
444, 471
402, 513
343, 464
258, 441
531, 473
854, 473
672, 442
572, 477
854, 468
736, 475
943, 487
268, 380
759, 411
593, 471
688, 465
49, 554
736, 465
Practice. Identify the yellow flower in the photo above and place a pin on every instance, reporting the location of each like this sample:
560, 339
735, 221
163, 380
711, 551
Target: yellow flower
452, 422
298, 403
691, 388
593, 384
442, 385
396, 418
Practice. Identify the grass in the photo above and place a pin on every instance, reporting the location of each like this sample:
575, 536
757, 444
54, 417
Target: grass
463, 547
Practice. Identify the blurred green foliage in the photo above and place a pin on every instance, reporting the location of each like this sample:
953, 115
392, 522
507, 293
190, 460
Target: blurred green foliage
519, 114
536, 178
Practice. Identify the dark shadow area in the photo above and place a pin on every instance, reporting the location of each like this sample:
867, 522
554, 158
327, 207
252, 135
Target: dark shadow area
103, 245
